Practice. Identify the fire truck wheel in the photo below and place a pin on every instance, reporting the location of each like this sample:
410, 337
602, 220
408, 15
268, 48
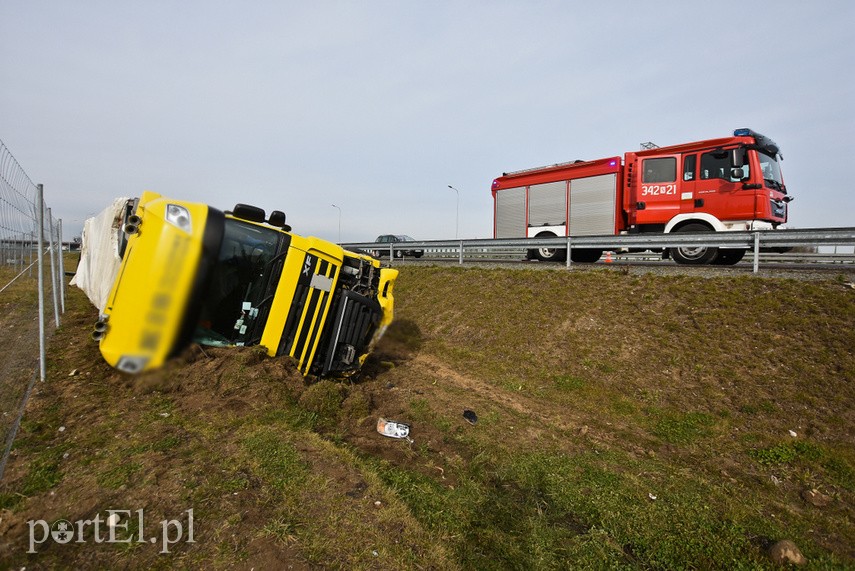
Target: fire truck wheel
729, 257
694, 255
549, 254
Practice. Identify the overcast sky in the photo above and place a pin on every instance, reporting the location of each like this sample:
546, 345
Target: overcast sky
378, 106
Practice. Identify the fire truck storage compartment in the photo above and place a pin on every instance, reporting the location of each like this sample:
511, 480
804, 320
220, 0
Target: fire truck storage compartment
510, 213
547, 204
592, 205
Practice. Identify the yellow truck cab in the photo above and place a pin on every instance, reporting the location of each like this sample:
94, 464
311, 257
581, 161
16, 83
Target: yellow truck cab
192, 273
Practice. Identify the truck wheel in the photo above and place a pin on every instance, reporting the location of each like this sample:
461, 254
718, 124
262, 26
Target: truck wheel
549, 254
729, 257
694, 255
585, 256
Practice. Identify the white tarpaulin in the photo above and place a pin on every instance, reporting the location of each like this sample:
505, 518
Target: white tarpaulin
99, 254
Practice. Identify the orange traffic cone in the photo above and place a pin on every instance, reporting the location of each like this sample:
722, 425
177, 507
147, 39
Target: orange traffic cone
608, 257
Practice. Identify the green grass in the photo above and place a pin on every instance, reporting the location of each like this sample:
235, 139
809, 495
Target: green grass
624, 421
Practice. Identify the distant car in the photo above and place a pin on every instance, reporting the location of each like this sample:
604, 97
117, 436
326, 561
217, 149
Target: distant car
400, 251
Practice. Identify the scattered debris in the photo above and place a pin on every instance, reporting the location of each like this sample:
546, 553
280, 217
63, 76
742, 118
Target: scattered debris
74, 373
651, 496
470, 416
164, 414
816, 498
393, 429
378, 504
785, 551
793, 433
776, 481
62, 429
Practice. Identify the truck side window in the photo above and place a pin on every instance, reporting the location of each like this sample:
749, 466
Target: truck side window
660, 170
717, 164
689, 164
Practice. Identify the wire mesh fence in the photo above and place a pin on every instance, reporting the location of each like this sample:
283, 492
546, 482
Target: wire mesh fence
32, 292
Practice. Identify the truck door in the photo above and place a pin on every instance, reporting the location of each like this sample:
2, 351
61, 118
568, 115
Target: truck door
718, 192
658, 196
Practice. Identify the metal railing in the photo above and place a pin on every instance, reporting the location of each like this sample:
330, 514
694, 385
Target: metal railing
754, 242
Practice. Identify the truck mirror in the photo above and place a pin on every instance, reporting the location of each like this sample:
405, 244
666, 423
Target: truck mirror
247, 212
277, 218
737, 158
737, 173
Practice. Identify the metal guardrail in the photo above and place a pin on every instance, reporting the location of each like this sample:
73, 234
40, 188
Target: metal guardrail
753, 241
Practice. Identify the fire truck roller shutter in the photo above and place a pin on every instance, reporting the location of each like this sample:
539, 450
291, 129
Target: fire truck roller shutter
510, 213
592, 205
547, 204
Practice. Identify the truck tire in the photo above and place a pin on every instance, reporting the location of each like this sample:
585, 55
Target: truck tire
728, 257
549, 254
694, 255
585, 256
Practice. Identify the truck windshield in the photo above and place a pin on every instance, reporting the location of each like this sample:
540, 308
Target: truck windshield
771, 171
239, 283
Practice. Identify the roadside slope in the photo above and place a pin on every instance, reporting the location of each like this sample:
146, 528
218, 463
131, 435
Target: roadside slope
623, 420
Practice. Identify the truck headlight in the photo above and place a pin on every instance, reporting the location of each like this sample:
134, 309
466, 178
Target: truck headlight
179, 217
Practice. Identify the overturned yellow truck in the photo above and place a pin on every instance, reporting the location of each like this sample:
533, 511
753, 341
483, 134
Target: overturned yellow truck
192, 273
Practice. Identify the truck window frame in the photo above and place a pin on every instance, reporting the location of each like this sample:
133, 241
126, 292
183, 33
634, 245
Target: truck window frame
659, 169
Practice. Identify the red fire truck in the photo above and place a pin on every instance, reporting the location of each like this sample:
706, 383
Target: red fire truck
727, 184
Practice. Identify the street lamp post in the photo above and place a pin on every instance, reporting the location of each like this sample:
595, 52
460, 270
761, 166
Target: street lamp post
339, 222
457, 219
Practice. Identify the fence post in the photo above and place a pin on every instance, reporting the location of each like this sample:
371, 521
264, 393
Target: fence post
53, 267
61, 270
461, 253
756, 252
41, 272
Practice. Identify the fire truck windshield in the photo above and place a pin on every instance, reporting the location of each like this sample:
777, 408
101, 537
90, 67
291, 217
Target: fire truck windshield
771, 171
239, 282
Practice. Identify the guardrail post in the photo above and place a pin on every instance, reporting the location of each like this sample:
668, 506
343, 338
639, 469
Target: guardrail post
460, 251
756, 252
568, 252
391, 253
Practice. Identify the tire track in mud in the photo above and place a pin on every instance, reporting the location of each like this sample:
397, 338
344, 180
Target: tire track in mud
542, 419
543, 416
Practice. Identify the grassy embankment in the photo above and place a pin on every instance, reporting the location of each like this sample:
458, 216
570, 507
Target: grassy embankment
624, 421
